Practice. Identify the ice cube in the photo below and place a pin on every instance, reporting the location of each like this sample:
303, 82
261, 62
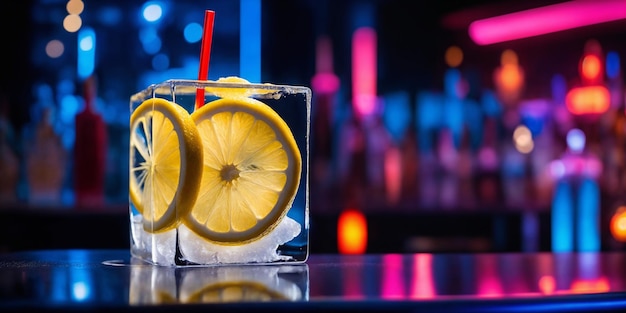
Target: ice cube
198, 250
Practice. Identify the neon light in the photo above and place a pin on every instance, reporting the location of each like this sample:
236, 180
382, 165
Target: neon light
588, 100
352, 232
250, 40
364, 71
562, 219
545, 20
392, 284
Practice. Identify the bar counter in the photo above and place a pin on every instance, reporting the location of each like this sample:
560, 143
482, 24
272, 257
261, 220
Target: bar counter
100, 280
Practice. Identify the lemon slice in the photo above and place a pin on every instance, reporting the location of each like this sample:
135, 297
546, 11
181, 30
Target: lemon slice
252, 168
165, 161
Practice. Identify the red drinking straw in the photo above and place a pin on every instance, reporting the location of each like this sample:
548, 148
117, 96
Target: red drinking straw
205, 54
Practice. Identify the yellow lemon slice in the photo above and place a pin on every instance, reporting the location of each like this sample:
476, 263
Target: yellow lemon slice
165, 163
252, 168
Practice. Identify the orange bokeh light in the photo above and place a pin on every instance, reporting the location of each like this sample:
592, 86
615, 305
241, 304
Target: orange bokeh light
591, 67
618, 224
591, 285
588, 100
454, 56
547, 284
351, 232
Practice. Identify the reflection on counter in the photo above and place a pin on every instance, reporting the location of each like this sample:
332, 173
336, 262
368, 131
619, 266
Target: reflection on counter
443, 276
110, 278
150, 285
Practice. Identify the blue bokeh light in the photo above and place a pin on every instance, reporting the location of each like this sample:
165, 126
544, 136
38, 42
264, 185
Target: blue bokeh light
193, 32
576, 140
86, 52
152, 11
612, 64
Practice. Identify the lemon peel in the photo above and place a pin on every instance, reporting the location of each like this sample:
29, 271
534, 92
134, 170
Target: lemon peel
166, 163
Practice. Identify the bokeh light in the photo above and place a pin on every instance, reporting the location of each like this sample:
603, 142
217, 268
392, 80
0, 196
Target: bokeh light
576, 140
72, 23
193, 32
54, 48
591, 67
618, 224
454, 56
612, 64
523, 139
352, 232
75, 7
152, 12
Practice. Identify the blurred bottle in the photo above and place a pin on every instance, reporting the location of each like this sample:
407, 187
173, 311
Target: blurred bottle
378, 143
615, 145
488, 180
325, 85
465, 170
9, 162
90, 152
352, 163
46, 161
410, 167
576, 200
515, 169
448, 157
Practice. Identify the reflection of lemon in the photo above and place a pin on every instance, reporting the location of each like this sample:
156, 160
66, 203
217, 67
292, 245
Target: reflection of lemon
231, 291
251, 172
165, 160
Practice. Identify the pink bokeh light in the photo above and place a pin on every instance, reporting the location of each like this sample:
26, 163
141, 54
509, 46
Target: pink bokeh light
545, 20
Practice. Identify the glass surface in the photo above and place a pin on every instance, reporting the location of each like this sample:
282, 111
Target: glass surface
64, 280
219, 173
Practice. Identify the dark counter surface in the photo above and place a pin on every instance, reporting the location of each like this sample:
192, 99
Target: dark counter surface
110, 280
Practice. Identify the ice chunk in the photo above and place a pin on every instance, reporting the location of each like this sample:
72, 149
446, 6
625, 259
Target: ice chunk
197, 250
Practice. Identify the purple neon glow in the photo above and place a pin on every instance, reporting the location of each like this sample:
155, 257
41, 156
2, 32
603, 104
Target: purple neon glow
545, 20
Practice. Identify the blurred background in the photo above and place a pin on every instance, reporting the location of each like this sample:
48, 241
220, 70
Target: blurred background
436, 125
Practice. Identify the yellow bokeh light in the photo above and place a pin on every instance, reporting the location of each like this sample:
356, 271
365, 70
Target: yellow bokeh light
72, 23
54, 48
454, 56
75, 7
523, 139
